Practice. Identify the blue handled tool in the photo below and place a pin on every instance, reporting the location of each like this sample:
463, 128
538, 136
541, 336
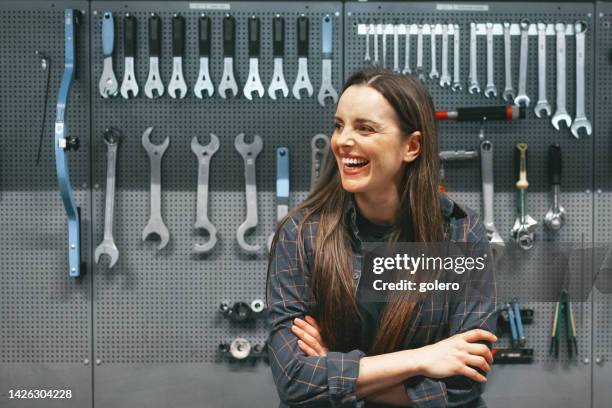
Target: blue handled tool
282, 187
327, 89
519, 323
512, 322
108, 85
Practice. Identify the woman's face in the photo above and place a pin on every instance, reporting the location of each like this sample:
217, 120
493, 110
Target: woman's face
368, 144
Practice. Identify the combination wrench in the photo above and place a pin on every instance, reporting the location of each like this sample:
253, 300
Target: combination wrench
490, 89
249, 154
375, 28
112, 138
456, 60
204, 154
319, 150
580, 120
474, 87
508, 94
156, 223
253, 82
302, 81
278, 51
521, 98
154, 87
366, 58
327, 90
177, 83
129, 85
561, 114
419, 64
486, 161
204, 83
282, 188
407, 69
524, 226
542, 105
433, 74
396, 68
445, 79
384, 45
555, 216
228, 82
108, 82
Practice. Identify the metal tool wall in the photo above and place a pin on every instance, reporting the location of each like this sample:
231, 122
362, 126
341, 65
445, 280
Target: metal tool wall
158, 310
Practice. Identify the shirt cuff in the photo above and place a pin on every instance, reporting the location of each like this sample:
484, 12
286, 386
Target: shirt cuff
342, 372
425, 392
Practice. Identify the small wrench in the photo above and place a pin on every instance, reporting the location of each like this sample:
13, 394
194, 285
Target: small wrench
366, 57
561, 114
327, 89
249, 154
253, 82
523, 230
580, 120
282, 187
108, 82
204, 83
228, 82
445, 79
384, 45
156, 223
434, 54
177, 83
522, 98
396, 68
154, 88
407, 69
542, 105
508, 94
419, 64
555, 216
456, 61
112, 137
129, 85
278, 50
376, 29
319, 150
486, 161
474, 87
302, 81
204, 154
490, 89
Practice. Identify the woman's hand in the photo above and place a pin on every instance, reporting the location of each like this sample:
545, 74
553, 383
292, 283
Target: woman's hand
457, 355
309, 334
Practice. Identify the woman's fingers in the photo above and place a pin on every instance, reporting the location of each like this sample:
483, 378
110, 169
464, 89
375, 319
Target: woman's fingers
307, 338
480, 350
306, 348
471, 373
311, 320
308, 328
479, 335
479, 362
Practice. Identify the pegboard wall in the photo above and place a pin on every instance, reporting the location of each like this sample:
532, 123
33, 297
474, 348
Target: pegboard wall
162, 307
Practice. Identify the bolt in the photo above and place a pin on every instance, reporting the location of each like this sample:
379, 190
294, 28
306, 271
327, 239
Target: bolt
599, 191
96, 186
86, 361
98, 361
586, 360
337, 14
587, 191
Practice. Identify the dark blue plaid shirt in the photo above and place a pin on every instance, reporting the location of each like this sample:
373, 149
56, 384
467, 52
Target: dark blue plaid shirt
330, 381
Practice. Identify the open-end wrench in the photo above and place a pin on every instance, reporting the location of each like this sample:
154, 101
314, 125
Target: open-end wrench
204, 154
376, 29
204, 83
319, 150
154, 87
253, 82
384, 45
108, 82
521, 98
456, 86
419, 64
249, 154
542, 105
474, 87
555, 216
156, 223
486, 161
327, 89
580, 120
445, 79
112, 138
396, 48
561, 114
129, 85
490, 89
366, 58
302, 81
433, 74
282, 187
278, 50
524, 226
407, 69
228, 82
177, 83
508, 94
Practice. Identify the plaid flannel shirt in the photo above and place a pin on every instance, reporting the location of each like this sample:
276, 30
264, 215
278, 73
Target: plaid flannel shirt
330, 381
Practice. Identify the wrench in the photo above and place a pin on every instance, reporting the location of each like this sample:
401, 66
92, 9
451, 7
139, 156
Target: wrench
253, 82
282, 187
249, 154
561, 114
542, 105
419, 66
434, 54
177, 83
156, 223
204, 154
407, 69
129, 83
445, 79
319, 150
523, 230
278, 50
580, 120
508, 94
376, 30
395, 48
228, 82
366, 57
486, 162
154, 88
327, 89
522, 98
112, 137
474, 87
490, 89
302, 81
204, 82
555, 216
384, 45
456, 68
108, 83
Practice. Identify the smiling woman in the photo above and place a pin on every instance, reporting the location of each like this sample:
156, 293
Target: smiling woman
328, 345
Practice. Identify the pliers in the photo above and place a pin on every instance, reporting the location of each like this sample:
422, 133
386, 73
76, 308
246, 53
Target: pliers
563, 309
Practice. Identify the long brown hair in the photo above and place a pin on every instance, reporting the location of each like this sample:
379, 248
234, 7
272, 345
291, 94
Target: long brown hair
332, 285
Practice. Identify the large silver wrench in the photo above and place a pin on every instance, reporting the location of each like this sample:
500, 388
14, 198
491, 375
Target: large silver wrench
456, 61
156, 223
319, 150
508, 94
204, 83
542, 105
486, 158
445, 79
434, 54
490, 89
108, 82
327, 89
204, 154
154, 88
580, 120
521, 97
112, 137
474, 87
419, 63
407, 69
376, 28
561, 114
249, 154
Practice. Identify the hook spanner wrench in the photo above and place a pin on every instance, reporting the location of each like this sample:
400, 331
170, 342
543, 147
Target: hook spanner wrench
156, 223
204, 154
249, 153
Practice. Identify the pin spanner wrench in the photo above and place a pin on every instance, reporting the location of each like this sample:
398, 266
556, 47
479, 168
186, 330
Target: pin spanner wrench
474, 87
177, 83
204, 83
129, 85
253, 82
108, 82
327, 89
561, 114
580, 120
282, 187
204, 154
228, 82
508, 94
112, 138
278, 50
302, 81
542, 105
156, 223
521, 98
154, 88
490, 89
249, 154
319, 150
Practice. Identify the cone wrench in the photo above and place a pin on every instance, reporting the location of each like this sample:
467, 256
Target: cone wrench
204, 154
156, 223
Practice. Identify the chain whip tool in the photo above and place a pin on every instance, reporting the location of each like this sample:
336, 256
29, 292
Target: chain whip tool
445, 79
419, 57
542, 105
302, 81
45, 63
523, 230
253, 82
521, 98
112, 138
327, 90
228, 82
433, 74
154, 88
177, 83
129, 85
490, 89
456, 60
561, 114
319, 150
249, 154
407, 70
65, 143
204, 154
282, 187
278, 50
508, 94
108, 82
474, 87
156, 223
204, 82
580, 120
555, 216
488, 194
